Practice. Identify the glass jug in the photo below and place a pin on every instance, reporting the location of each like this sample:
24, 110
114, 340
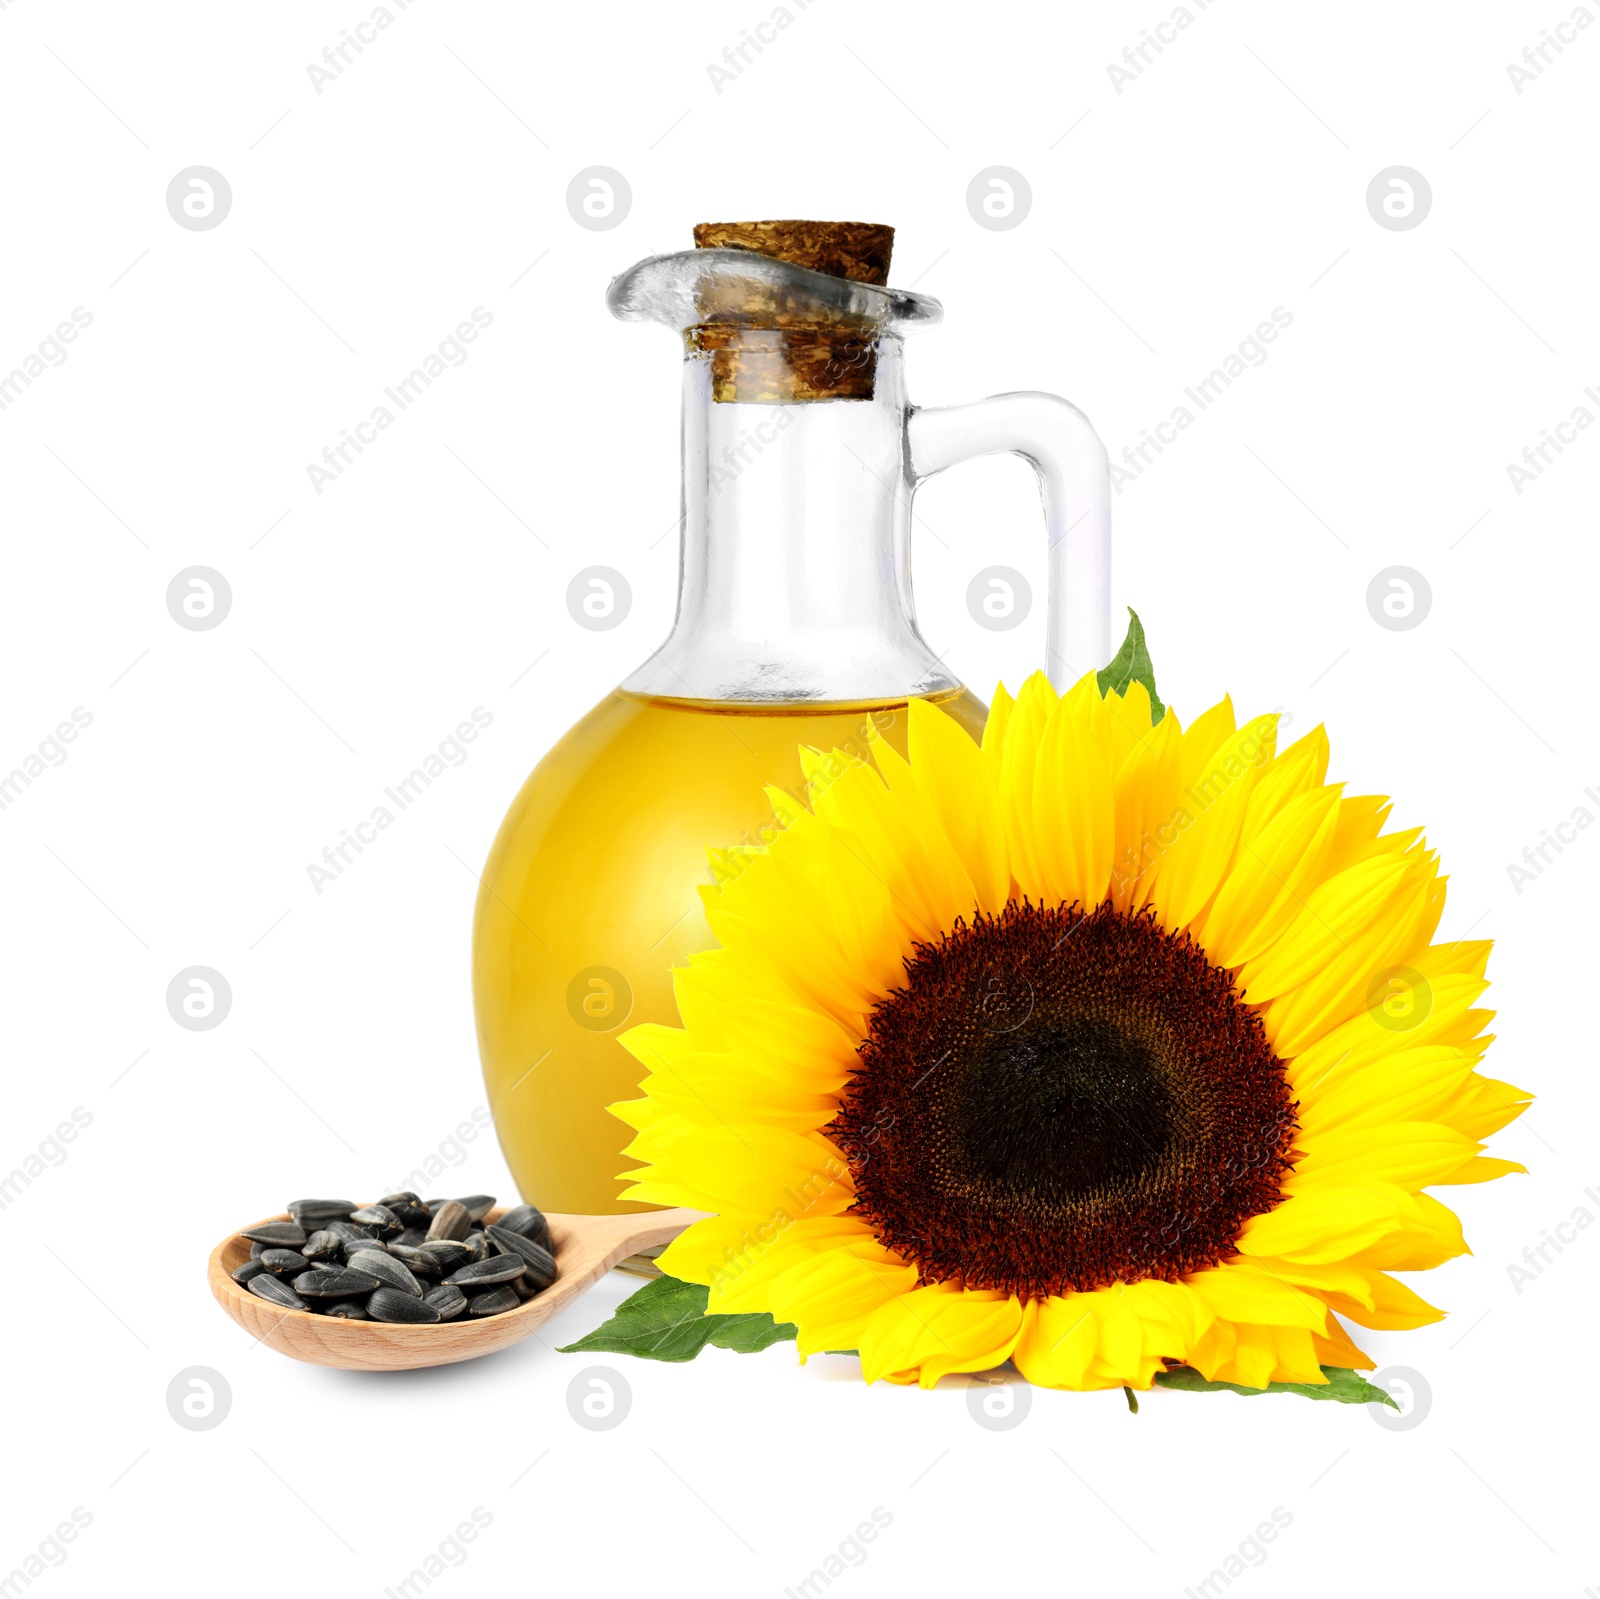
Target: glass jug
795, 625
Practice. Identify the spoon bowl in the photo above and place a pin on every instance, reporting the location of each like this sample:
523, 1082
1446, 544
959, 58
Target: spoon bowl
585, 1247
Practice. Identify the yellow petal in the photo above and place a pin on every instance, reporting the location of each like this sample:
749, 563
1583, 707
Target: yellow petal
939, 1329
813, 1271
995, 731
1252, 1356
1325, 1224
1337, 1350
1128, 714
1337, 911
1248, 1291
1145, 803
1408, 1154
1018, 756
895, 837
1057, 1341
721, 1250
1266, 886
1409, 1085
1342, 986
949, 773
1428, 1235
1439, 1012
1297, 770
1072, 815
1209, 731
834, 1293
1483, 1169
1383, 1302
1484, 1105
1215, 795
748, 1168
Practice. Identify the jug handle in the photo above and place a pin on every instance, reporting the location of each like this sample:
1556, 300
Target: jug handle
1075, 485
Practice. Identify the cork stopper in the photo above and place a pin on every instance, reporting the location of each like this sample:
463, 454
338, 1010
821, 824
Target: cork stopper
856, 250
774, 345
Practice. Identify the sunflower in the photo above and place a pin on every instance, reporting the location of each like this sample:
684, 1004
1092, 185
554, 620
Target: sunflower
1106, 1046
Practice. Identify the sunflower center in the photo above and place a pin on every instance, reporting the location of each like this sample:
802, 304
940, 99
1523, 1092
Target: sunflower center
1057, 1101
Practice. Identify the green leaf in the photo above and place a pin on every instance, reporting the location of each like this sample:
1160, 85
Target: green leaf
1348, 1387
1132, 664
667, 1320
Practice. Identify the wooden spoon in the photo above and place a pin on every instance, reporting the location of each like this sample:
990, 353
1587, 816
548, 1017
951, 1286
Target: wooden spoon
586, 1248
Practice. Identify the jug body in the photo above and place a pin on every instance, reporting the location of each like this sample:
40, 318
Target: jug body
590, 897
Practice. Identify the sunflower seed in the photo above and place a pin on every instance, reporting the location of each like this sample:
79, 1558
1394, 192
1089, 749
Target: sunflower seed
417, 1261
388, 1270
277, 1235
492, 1301
380, 1218
446, 1253
323, 1246
374, 1246
335, 1282
496, 1269
390, 1304
408, 1210
540, 1262
243, 1274
448, 1300
344, 1231
477, 1246
275, 1291
451, 1221
411, 1237
315, 1213
477, 1206
528, 1221
283, 1262
344, 1309
526, 1287
257, 1251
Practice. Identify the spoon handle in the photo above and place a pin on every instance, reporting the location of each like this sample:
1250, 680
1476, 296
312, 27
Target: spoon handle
587, 1247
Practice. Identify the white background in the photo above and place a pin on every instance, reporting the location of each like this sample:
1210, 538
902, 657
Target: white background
1167, 220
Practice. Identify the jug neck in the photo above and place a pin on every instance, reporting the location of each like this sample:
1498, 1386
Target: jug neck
795, 577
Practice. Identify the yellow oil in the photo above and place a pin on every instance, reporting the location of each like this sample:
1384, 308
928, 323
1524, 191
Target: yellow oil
590, 897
